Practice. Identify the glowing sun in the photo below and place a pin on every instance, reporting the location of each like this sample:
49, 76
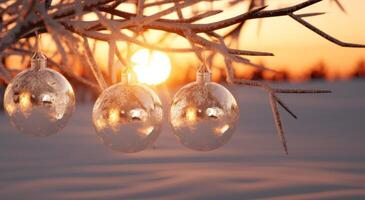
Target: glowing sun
151, 67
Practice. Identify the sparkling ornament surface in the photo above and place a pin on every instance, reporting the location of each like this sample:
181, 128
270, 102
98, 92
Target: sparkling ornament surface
39, 101
128, 117
203, 114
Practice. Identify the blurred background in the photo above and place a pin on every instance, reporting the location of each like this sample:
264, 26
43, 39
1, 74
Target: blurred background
326, 145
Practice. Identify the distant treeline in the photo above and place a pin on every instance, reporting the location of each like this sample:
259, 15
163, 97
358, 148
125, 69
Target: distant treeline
319, 71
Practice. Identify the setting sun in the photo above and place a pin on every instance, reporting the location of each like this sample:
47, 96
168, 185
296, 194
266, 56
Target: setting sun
151, 67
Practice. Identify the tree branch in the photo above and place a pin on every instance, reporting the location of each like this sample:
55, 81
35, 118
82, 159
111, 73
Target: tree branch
325, 35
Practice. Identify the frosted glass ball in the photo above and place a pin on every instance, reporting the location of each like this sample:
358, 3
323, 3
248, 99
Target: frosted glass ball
128, 117
203, 115
39, 101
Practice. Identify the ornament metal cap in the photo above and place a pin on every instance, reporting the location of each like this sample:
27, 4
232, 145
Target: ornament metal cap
203, 74
125, 77
38, 61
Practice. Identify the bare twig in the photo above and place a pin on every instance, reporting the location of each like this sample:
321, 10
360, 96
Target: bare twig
93, 66
275, 99
277, 120
111, 64
323, 34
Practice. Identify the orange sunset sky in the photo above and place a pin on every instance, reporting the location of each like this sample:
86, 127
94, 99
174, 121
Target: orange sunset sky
296, 48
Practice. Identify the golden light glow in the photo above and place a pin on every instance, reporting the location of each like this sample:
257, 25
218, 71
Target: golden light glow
113, 117
151, 67
221, 130
191, 114
10, 108
146, 131
24, 101
100, 124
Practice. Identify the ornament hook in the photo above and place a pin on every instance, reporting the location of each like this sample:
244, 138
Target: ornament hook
38, 60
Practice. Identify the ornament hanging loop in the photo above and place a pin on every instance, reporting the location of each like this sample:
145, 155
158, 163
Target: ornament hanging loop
38, 60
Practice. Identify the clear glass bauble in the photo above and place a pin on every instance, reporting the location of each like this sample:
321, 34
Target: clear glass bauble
128, 117
39, 101
203, 114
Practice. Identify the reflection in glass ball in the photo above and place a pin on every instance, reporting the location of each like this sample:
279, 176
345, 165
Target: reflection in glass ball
128, 117
203, 115
39, 101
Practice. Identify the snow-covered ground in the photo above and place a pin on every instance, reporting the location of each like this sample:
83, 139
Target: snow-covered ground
326, 156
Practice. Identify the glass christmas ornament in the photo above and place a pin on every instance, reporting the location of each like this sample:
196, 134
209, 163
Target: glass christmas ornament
39, 101
203, 114
128, 116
